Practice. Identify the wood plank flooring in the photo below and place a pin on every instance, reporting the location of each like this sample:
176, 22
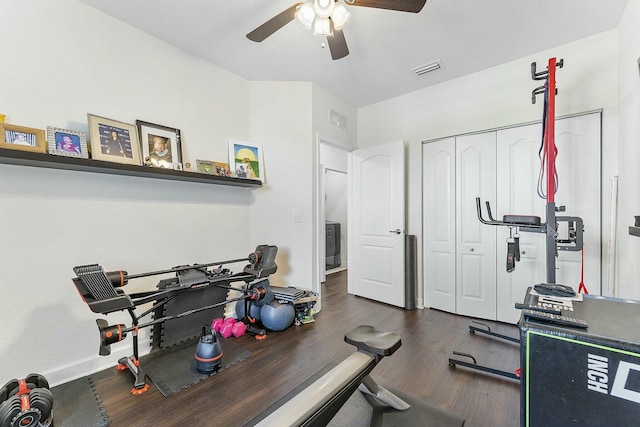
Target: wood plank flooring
285, 359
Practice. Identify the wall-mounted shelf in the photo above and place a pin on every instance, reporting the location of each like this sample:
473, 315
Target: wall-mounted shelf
26, 158
634, 231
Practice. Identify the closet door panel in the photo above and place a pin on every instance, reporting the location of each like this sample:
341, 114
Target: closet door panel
579, 190
517, 179
439, 224
476, 242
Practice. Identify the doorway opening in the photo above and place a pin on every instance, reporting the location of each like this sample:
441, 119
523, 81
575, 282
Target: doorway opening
332, 207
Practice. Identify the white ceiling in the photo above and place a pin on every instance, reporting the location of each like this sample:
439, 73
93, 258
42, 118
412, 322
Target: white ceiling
465, 35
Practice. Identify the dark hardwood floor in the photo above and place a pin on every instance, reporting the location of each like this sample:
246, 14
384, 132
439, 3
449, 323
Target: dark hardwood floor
285, 359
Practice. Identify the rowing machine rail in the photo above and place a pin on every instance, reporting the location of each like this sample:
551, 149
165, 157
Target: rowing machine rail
317, 404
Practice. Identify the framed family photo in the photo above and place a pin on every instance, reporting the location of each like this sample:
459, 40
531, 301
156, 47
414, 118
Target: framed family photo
161, 145
213, 168
69, 143
114, 141
22, 138
246, 160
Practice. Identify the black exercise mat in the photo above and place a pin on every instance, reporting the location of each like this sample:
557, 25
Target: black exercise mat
174, 369
77, 403
362, 410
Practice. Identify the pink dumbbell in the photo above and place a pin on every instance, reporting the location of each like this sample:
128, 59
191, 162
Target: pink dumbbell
227, 328
217, 324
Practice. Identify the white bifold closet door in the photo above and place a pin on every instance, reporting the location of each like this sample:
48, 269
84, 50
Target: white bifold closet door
475, 242
439, 216
578, 165
464, 260
460, 252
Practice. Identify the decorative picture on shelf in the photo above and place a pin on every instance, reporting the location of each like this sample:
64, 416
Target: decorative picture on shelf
113, 141
161, 145
245, 160
213, 168
69, 143
22, 138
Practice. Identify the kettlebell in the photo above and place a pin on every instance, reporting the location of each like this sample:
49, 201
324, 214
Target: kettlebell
208, 352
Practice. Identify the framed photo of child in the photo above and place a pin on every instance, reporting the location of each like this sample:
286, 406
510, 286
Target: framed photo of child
65, 142
161, 145
22, 138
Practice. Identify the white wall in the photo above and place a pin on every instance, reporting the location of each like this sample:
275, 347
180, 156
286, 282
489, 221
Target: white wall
496, 97
629, 126
62, 60
335, 158
323, 101
281, 121
285, 118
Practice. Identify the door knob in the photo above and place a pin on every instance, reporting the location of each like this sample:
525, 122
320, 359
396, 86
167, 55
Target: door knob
471, 250
397, 231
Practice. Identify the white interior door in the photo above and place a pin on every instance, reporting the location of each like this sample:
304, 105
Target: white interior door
376, 223
439, 223
476, 242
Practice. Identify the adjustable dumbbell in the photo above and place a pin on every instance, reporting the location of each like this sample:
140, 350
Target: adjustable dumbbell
26, 403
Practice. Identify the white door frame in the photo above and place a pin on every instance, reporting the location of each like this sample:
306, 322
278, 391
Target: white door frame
319, 226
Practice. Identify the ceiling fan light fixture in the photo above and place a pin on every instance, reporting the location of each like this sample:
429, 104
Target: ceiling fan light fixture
340, 16
305, 14
323, 8
322, 27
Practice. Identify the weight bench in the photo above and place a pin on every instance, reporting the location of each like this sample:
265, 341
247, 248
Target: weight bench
320, 401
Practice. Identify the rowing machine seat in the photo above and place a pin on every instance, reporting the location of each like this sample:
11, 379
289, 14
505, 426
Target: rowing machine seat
521, 219
369, 339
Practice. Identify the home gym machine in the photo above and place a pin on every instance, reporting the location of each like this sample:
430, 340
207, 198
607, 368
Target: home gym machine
571, 241
103, 294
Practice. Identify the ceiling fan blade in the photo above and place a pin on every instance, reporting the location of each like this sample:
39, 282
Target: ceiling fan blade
273, 24
413, 6
337, 45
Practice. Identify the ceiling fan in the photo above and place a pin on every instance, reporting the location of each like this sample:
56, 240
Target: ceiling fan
328, 18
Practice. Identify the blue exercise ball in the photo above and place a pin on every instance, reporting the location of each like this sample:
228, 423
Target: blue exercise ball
254, 310
277, 316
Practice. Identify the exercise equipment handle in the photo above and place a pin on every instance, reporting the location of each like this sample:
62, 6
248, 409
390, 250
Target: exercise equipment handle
183, 268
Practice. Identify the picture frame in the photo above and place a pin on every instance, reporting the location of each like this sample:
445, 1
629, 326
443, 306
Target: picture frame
246, 160
68, 143
210, 167
114, 141
22, 138
161, 145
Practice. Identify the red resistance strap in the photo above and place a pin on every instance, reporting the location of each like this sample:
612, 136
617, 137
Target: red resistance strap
582, 288
550, 132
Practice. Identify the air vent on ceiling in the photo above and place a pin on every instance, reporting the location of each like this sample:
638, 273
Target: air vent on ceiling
337, 119
427, 68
